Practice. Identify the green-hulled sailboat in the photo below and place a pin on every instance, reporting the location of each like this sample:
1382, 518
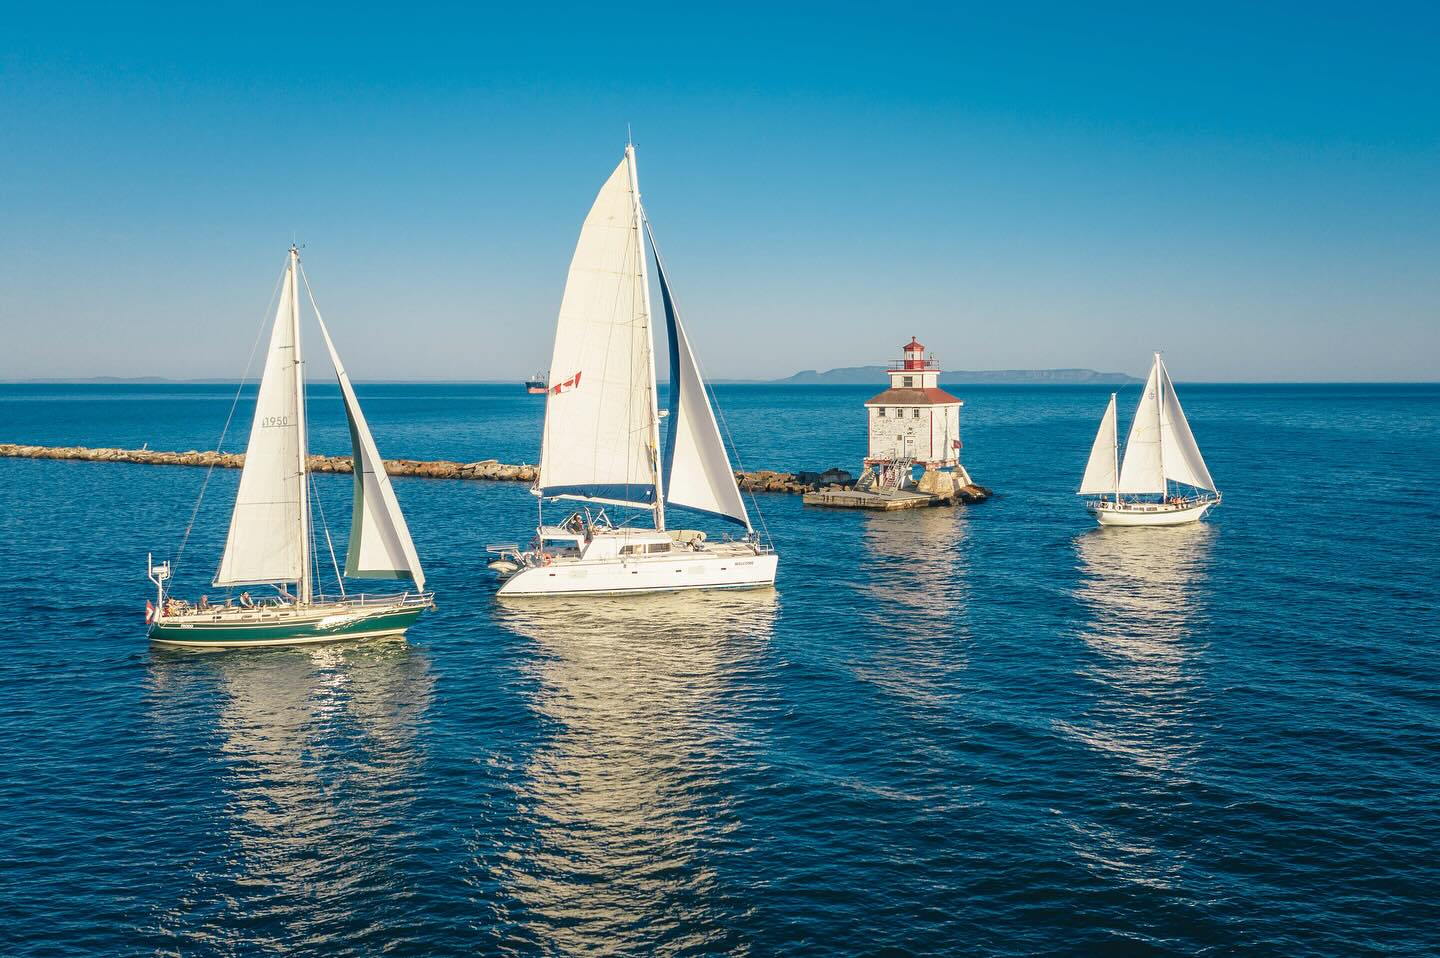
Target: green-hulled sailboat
271, 538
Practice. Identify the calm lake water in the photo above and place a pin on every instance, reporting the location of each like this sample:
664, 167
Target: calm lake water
990, 730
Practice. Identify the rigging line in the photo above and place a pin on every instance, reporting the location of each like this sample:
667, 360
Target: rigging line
320, 504
220, 443
710, 389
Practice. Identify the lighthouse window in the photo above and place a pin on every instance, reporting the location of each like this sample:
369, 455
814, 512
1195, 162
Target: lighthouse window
917, 414
909, 380
881, 411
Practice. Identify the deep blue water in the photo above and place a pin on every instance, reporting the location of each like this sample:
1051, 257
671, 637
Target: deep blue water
993, 730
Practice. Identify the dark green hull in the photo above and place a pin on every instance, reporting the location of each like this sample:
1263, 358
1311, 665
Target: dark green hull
283, 628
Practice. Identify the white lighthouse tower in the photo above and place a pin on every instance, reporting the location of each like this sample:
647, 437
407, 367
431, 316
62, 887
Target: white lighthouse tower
914, 423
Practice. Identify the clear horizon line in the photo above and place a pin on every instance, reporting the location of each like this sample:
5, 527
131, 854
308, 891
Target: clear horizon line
721, 380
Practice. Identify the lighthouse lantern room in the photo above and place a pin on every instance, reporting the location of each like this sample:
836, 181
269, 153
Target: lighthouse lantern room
914, 423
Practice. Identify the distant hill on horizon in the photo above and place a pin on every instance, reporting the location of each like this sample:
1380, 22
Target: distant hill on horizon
846, 376
861, 375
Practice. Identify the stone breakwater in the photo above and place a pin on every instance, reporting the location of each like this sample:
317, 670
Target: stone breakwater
760, 480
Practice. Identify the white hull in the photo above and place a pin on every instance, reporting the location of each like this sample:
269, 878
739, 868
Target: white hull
677, 572
1149, 514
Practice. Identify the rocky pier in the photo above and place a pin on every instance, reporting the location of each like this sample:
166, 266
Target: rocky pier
760, 480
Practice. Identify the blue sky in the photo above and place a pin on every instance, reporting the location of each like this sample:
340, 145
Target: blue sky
1256, 193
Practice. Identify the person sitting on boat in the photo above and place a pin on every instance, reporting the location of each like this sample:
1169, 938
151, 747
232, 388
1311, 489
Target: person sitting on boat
246, 602
575, 524
204, 603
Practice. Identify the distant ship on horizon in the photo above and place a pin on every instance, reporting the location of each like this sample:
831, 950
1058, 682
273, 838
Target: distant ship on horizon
537, 384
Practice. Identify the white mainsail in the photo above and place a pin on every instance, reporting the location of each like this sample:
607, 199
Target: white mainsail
1100, 472
1182, 460
269, 528
1141, 470
697, 468
600, 419
380, 545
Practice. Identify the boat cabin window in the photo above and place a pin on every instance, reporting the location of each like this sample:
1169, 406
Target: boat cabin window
644, 548
562, 547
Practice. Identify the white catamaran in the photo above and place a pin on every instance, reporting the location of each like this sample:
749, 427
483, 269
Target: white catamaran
601, 443
270, 542
1163, 480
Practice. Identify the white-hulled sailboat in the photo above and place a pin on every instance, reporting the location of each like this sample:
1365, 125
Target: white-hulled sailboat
270, 542
601, 442
1162, 480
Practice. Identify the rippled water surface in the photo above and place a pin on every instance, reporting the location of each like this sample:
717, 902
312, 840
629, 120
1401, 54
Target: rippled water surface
993, 730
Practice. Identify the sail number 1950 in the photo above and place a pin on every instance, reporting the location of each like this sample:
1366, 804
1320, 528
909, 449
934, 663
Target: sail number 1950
269, 421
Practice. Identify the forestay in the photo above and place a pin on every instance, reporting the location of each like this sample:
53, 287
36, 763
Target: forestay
599, 413
1100, 477
380, 545
1141, 470
697, 468
269, 524
1180, 453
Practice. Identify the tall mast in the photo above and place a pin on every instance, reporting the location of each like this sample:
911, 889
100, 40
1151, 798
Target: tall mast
301, 445
650, 335
1115, 446
1160, 425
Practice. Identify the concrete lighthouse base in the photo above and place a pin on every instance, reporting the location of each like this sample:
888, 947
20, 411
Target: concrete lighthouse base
936, 488
945, 483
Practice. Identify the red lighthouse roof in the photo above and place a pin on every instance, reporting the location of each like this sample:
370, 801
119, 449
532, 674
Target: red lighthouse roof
904, 396
913, 346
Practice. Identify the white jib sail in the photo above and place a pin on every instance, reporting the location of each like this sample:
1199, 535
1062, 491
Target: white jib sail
599, 412
697, 468
380, 546
1140, 471
1100, 477
1181, 454
268, 527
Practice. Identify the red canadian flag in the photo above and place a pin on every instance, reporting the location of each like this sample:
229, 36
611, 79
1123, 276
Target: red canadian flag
572, 383
149, 611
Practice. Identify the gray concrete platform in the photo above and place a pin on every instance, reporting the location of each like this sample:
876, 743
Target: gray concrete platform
855, 499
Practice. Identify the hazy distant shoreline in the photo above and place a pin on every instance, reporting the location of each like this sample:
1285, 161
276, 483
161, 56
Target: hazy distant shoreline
851, 376
859, 375
845, 376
